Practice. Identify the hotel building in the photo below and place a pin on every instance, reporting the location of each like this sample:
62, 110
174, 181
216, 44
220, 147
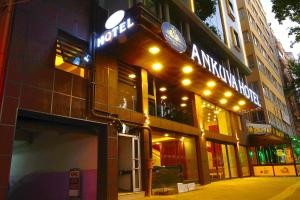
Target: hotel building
108, 99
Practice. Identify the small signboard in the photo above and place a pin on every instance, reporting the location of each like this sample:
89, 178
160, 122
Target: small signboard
74, 184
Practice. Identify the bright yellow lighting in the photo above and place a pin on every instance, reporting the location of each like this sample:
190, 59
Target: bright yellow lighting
228, 94
166, 135
182, 139
187, 69
132, 76
157, 66
183, 105
154, 50
236, 108
58, 60
242, 102
211, 84
163, 97
223, 101
163, 89
186, 82
207, 92
185, 98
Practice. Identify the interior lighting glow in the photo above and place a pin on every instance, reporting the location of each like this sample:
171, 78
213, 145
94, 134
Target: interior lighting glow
166, 135
223, 101
228, 94
163, 89
163, 97
132, 76
157, 66
211, 84
182, 139
236, 108
185, 98
207, 92
242, 102
183, 105
154, 50
187, 69
186, 82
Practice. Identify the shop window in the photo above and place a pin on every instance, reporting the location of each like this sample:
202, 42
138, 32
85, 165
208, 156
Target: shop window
215, 119
232, 161
244, 161
71, 55
253, 156
230, 9
235, 39
174, 159
170, 102
128, 84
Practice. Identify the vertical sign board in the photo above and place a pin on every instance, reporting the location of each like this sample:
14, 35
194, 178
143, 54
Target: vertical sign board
74, 184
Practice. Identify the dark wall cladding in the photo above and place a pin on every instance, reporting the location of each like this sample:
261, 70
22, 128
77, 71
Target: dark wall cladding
31, 74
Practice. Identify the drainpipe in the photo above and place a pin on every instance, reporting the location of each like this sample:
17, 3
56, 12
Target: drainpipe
5, 27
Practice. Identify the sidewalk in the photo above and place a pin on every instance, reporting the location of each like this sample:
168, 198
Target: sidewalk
270, 188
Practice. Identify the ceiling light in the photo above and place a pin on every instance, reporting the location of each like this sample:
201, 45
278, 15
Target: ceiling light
183, 105
157, 143
223, 101
163, 97
211, 84
236, 108
207, 92
187, 69
185, 98
228, 94
186, 82
166, 135
132, 76
163, 89
156, 66
154, 50
242, 102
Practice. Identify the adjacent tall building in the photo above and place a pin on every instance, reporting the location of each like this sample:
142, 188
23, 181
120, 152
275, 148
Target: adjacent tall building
266, 76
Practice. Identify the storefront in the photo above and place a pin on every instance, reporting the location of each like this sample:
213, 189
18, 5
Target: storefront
270, 151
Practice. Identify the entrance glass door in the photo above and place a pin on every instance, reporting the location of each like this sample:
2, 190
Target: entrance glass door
129, 163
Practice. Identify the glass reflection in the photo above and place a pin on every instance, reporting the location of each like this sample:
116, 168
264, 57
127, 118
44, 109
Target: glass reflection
209, 12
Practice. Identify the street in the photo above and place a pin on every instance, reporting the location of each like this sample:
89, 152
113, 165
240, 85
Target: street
270, 188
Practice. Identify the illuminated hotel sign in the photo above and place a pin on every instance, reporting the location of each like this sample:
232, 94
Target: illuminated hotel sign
173, 37
115, 25
223, 74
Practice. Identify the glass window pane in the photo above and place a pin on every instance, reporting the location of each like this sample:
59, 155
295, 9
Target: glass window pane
244, 161
232, 161
174, 151
225, 162
211, 160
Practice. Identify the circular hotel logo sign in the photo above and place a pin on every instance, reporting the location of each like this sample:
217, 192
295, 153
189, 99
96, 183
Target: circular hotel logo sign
114, 19
173, 37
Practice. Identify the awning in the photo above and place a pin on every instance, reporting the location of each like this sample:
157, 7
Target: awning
267, 139
133, 48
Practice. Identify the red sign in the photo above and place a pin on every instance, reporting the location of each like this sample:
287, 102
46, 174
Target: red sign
74, 184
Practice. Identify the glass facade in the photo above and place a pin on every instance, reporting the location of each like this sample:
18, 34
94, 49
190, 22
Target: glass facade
169, 102
174, 156
216, 119
244, 160
279, 154
221, 161
128, 81
209, 12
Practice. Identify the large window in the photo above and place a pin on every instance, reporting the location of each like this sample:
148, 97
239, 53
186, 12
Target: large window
169, 102
174, 158
71, 55
215, 119
209, 12
128, 84
221, 161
